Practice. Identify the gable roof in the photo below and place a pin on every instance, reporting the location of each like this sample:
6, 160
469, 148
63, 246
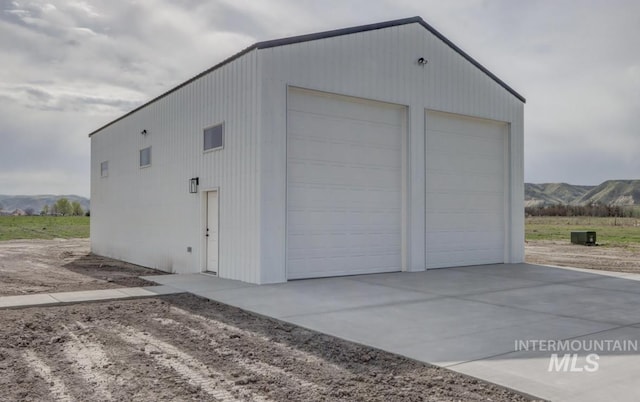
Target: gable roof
322, 35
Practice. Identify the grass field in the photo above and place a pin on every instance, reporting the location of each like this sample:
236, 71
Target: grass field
43, 227
609, 231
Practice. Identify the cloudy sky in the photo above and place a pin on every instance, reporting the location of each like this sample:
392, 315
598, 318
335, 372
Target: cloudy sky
68, 67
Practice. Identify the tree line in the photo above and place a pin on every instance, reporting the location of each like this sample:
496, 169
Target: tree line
63, 207
597, 210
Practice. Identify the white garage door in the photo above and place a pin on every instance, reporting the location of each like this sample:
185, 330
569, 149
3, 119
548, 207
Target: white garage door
344, 175
466, 165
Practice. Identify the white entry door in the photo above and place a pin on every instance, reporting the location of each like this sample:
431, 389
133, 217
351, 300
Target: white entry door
212, 231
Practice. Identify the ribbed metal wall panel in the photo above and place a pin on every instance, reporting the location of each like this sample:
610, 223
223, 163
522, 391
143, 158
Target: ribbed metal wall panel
147, 215
381, 65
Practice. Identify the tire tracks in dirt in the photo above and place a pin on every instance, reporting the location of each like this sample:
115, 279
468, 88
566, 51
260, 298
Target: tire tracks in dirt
215, 326
136, 374
257, 367
57, 387
183, 348
187, 366
89, 358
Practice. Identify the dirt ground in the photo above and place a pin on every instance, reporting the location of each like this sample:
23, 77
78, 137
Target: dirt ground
184, 348
43, 266
565, 254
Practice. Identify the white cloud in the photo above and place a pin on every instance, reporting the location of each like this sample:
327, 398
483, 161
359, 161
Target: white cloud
70, 66
57, 181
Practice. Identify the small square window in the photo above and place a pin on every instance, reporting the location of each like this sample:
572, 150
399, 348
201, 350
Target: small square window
214, 137
104, 169
145, 157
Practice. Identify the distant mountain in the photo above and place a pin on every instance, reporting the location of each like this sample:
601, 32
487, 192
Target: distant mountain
553, 193
10, 203
614, 192
611, 192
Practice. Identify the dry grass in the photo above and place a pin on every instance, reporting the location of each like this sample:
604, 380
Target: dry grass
609, 231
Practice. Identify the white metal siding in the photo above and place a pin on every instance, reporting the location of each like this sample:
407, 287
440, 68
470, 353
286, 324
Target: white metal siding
382, 65
465, 198
147, 216
344, 175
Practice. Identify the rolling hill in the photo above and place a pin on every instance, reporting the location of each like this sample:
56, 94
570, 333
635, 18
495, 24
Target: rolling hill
10, 203
611, 192
553, 193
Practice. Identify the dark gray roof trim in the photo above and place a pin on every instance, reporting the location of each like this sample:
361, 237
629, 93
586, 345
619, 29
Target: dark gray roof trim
323, 35
470, 59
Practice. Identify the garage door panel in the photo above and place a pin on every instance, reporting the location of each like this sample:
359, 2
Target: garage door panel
384, 236
449, 258
343, 185
308, 173
318, 125
444, 202
340, 222
464, 183
475, 131
341, 245
322, 128
322, 104
461, 125
322, 171
325, 197
481, 240
455, 145
325, 151
471, 221
465, 171
467, 164
335, 266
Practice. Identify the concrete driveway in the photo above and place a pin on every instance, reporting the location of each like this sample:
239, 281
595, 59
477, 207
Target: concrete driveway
500, 323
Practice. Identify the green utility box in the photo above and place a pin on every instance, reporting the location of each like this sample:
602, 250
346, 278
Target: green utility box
583, 237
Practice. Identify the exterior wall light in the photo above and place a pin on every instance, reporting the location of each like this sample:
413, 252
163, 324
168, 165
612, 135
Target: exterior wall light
193, 185
422, 61
143, 132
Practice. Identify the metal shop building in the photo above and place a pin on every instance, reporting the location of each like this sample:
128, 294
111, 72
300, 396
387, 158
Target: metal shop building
376, 148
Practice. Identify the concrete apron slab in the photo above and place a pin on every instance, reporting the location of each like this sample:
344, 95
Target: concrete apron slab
474, 320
